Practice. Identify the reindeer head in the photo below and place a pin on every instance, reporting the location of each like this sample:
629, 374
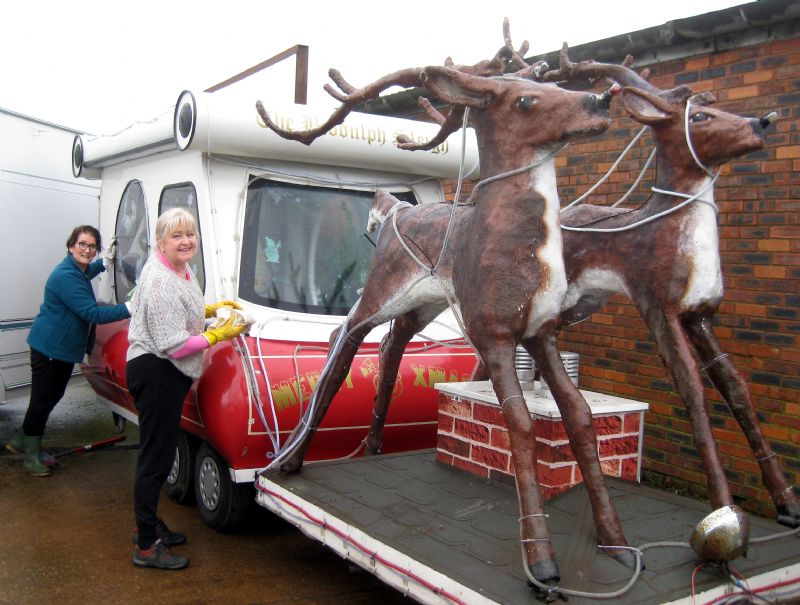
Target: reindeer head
682, 124
715, 135
513, 115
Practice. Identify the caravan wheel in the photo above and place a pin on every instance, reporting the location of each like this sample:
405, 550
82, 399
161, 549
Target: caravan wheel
178, 485
222, 503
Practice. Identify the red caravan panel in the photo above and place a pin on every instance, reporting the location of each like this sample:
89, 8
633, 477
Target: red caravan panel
221, 410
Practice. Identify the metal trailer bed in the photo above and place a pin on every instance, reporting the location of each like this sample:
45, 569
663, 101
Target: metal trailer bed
443, 536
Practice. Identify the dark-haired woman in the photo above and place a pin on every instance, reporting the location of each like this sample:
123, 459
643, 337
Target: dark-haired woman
59, 337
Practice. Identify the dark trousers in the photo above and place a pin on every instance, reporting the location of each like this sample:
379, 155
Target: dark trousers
49, 378
158, 388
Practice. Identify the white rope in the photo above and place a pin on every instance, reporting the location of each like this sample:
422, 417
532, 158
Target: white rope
635, 184
458, 189
610, 171
503, 175
687, 134
654, 217
392, 212
255, 392
266, 382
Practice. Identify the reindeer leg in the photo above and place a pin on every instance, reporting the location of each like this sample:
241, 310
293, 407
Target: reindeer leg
577, 417
340, 358
676, 354
391, 354
539, 553
733, 388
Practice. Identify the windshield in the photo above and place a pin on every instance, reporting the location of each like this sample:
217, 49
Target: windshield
303, 247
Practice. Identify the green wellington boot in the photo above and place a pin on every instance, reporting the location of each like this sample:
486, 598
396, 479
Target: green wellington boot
32, 462
16, 445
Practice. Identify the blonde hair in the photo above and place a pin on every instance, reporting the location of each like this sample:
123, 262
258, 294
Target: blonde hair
174, 219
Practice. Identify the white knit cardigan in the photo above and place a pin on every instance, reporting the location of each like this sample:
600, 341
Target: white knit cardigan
166, 310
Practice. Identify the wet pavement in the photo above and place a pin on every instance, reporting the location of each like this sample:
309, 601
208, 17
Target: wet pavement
66, 539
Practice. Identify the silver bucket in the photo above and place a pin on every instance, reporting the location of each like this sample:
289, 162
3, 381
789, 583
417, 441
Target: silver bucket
523, 364
526, 367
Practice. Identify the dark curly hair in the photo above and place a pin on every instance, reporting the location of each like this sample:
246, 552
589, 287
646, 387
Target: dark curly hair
73, 238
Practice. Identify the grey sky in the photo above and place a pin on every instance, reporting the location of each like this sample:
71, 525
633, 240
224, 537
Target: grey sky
99, 66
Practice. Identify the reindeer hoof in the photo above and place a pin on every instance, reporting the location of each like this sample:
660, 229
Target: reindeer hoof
546, 573
789, 512
371, 450
626, 557
792, 521
292, 465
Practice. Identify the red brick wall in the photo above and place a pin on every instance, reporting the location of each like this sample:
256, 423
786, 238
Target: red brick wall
473, 437
758, 323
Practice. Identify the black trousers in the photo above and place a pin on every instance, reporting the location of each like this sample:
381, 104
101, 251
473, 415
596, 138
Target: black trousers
49, 378
158, 388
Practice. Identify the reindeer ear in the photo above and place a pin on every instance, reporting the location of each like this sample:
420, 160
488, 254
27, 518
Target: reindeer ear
457, 88
644, 107
704, 98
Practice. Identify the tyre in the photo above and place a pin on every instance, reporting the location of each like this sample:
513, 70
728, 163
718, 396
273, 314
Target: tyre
223, 504
179, 483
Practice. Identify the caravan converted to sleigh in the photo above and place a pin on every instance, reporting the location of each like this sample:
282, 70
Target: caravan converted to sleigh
282, 232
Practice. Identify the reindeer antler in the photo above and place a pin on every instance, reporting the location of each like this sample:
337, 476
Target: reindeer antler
495, 66
591, 70
350, 97
448, 125
498, 64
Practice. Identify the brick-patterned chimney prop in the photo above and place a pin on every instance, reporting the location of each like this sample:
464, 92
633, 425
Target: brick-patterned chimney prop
473, 436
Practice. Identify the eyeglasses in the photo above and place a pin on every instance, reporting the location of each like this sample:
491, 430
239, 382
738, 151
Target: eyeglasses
84, 246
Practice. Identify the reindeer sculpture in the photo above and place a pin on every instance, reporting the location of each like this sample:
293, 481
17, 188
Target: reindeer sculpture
670, 267
501, 264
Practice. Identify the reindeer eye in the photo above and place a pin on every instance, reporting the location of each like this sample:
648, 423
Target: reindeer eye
526, 102
700, 116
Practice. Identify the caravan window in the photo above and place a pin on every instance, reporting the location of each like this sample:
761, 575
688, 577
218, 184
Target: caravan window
303, 247
132, 240
184, 196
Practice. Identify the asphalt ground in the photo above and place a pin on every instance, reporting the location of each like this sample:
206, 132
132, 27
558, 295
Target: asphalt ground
67, 539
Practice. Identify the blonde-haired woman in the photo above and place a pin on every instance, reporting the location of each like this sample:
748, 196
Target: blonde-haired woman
165, 356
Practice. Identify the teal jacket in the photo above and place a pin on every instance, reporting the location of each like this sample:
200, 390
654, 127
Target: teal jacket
61, 329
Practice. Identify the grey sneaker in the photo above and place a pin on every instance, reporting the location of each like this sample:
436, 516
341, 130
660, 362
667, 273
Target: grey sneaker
159, 557
168, 537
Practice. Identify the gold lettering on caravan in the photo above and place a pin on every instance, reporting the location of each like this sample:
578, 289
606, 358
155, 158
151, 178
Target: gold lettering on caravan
289, 393
375, 135
348, 381
310, 122
419, 375
436, 375
371, 136
313, 379
302, 394
282, 121
283, 395
367, 367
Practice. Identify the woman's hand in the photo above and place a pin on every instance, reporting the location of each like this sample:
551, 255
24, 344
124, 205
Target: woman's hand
108, 257
226, 331
211, 310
